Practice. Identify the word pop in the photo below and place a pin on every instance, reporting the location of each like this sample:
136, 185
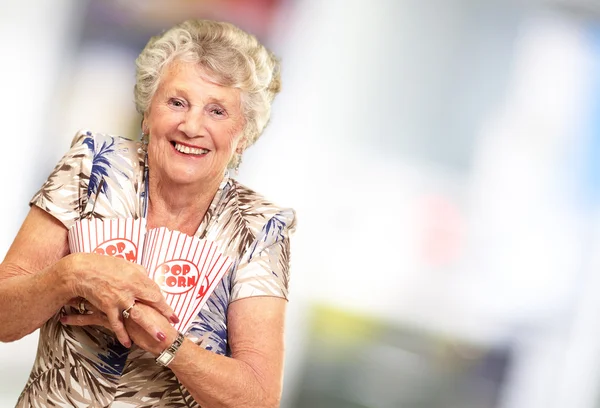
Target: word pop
119, 248
176, 276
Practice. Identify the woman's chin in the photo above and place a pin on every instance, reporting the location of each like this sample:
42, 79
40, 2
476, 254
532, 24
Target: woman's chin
186, 179
182, 181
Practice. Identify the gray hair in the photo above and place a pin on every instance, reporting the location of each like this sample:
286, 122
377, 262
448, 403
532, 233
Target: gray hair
232, 58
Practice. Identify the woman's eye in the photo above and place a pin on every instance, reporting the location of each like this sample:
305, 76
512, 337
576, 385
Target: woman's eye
218, 111
176, 102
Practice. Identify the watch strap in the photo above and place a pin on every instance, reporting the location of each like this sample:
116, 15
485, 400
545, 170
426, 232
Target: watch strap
165, 358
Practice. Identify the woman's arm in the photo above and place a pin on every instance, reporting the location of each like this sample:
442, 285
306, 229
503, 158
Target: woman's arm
253, 376
31, 286
37, 278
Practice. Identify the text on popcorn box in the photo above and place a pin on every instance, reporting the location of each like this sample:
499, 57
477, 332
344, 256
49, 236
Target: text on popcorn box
119, 248
176, 276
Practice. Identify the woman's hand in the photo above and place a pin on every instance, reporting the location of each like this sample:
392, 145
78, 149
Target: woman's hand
141, 316
111, 285
143, 320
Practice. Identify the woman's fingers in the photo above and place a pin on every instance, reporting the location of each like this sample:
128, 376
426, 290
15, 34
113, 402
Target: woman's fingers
100, 283
143, 323
82, 306
92, 316
109, 286
146, 323
153, 297
97, 319
116, 325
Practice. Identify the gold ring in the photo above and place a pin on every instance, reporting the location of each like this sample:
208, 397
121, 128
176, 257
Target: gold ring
82, 309
125, 312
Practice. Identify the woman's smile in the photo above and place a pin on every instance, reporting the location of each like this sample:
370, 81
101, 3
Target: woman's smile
187, 150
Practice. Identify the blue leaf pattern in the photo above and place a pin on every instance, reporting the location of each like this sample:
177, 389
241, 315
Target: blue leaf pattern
272, 232
103, 160
211, 324
113, 360
247, 228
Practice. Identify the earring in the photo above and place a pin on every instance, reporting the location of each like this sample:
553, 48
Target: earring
238, 161
144, 143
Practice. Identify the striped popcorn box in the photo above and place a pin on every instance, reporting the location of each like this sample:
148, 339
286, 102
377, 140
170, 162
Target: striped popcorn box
119, 237
217, 265
179, 264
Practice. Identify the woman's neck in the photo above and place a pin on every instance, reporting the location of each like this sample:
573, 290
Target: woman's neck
177, 207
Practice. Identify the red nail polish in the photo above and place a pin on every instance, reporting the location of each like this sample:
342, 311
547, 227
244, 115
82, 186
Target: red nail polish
127, 344
63, 319
161, 336
174, 319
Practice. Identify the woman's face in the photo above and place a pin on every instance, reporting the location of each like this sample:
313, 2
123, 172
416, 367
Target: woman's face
195, 127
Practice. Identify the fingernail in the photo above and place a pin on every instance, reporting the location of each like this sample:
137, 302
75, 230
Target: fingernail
174, 319
63, 319
127, 344
161, 336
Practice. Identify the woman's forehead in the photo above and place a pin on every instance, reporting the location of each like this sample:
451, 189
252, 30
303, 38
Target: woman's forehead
191, 77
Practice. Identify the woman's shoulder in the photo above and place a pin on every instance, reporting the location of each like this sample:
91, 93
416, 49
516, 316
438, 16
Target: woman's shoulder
253, 203
101, 142
257, 211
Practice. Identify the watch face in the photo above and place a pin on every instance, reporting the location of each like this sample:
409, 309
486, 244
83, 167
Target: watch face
169, 354
165, 358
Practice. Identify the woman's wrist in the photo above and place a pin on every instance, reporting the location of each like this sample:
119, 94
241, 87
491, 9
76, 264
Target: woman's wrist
171, 335
66, 273
167, 356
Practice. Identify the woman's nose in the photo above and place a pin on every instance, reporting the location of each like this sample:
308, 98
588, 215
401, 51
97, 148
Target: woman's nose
193, 124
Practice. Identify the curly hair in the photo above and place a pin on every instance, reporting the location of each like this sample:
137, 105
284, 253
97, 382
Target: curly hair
232, 58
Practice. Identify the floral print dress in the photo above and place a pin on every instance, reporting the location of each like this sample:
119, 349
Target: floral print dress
103, 176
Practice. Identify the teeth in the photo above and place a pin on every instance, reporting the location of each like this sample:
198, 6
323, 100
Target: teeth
189, 150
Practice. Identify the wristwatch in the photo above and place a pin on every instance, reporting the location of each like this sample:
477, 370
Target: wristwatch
168, 354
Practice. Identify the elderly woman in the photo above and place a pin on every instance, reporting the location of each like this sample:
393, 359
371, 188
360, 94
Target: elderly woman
204, 89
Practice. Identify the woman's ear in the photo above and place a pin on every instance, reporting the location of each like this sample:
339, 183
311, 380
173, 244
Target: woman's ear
144, 125
241, 145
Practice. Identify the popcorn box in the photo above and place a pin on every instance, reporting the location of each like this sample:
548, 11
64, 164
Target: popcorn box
218, 265
186, 268
183, 266
121, 238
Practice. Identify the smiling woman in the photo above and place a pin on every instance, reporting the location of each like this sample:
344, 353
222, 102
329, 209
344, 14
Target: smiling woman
107, 335
195, 125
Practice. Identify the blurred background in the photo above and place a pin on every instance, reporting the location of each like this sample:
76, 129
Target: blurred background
444, 160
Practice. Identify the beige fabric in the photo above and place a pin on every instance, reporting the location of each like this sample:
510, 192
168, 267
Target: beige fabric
87, 367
